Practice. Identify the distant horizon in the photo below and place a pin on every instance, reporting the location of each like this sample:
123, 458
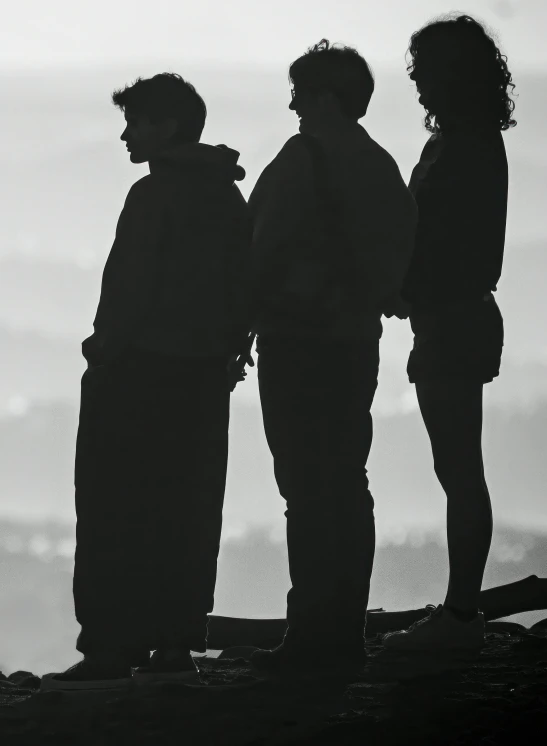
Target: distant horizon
38, 629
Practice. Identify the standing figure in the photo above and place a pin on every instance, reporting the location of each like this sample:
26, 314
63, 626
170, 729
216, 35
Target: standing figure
460, 186
333, 233
152, 441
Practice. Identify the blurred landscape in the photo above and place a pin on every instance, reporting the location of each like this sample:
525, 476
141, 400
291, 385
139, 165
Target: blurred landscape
38, 629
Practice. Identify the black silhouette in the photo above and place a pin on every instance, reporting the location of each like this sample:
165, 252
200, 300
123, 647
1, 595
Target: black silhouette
333, 232
460, 186
153, 433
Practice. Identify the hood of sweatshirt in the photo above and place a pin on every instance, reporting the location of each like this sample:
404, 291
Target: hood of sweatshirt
201, 161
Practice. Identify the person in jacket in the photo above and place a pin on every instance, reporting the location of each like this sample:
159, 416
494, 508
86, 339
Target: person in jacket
153, 434
322, 269
460, 185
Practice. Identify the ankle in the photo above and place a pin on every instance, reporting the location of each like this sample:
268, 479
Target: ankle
462, 615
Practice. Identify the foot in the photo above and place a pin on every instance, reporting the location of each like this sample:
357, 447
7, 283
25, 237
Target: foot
88, 674
283, 659
439, 632
168, 665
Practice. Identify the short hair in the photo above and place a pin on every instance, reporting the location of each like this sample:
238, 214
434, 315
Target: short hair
165, 96
338, 69
460, 54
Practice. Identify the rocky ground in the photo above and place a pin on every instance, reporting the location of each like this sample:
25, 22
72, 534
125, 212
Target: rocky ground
498, 698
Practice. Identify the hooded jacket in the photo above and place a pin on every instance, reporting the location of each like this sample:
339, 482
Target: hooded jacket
379, 215
171, 284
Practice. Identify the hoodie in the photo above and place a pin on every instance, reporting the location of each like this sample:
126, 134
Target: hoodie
379, 215
171, 283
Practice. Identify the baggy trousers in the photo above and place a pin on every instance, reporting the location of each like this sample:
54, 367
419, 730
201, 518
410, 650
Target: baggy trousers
316, 399
150, 475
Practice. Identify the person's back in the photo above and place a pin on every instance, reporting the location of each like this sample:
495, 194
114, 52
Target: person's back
377, 221
191, 202
331, 243
460, 186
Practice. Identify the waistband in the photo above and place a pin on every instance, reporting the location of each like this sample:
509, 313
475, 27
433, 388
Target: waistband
453, 305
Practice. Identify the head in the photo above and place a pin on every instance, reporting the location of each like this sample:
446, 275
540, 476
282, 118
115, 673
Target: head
460, 75
332, 87
161, 113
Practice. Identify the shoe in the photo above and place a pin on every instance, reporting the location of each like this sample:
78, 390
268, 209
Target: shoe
168, 665
316, 659
87, 675
439, 632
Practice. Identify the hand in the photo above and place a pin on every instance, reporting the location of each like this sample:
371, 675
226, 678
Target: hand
396, 306
236, 368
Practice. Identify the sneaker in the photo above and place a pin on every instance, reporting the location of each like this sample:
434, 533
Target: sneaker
88, 675
440, 631
168, 665
308, 659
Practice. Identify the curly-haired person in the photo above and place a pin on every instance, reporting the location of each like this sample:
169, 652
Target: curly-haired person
460, 186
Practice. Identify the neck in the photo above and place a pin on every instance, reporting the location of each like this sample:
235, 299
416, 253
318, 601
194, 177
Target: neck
465, 123
338, 128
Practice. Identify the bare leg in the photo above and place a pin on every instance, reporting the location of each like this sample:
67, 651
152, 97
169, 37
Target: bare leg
452, 413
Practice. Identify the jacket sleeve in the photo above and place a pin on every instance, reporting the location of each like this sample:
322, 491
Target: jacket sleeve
131, 275
278, 206
384, 240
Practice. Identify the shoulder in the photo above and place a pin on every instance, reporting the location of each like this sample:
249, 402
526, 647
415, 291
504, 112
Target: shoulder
141, 190
383, 167
289, 168
142, 187
146, 194
474, 153
293, 155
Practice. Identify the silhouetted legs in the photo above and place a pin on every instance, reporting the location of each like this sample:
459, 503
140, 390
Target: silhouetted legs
452, 413
150, 476
316, 400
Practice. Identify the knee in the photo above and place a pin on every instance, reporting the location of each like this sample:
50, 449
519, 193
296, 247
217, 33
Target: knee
460, 473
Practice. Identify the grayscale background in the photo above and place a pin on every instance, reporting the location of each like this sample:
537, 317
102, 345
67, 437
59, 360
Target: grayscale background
64, 177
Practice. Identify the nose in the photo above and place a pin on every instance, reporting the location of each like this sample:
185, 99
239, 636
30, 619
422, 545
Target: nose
292, 105
123, 136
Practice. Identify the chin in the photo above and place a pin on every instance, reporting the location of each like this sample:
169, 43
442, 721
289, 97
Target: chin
135, 158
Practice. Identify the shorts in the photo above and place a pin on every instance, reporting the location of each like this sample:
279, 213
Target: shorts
463, 340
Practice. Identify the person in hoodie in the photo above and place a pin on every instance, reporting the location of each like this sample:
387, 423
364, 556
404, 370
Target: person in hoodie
153, 434
318, 344
461, 188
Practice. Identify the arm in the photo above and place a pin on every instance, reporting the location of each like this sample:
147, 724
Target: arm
279, 205
386, 243
131, 275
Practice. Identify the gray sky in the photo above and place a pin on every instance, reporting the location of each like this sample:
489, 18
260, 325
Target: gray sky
37, 34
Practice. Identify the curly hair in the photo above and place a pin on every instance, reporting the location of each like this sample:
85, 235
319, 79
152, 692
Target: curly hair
459, 57
163, 96
338, 69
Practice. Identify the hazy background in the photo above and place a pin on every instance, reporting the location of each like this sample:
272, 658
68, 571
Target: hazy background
65, 175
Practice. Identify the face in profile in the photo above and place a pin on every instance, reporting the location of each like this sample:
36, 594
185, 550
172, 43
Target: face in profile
424, 88
144, 139
311, 109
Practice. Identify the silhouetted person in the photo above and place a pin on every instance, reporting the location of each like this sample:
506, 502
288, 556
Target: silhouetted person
460, 186
317, 307
153, 433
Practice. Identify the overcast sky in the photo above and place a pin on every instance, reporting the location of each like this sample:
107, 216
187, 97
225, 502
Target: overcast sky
37, 34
